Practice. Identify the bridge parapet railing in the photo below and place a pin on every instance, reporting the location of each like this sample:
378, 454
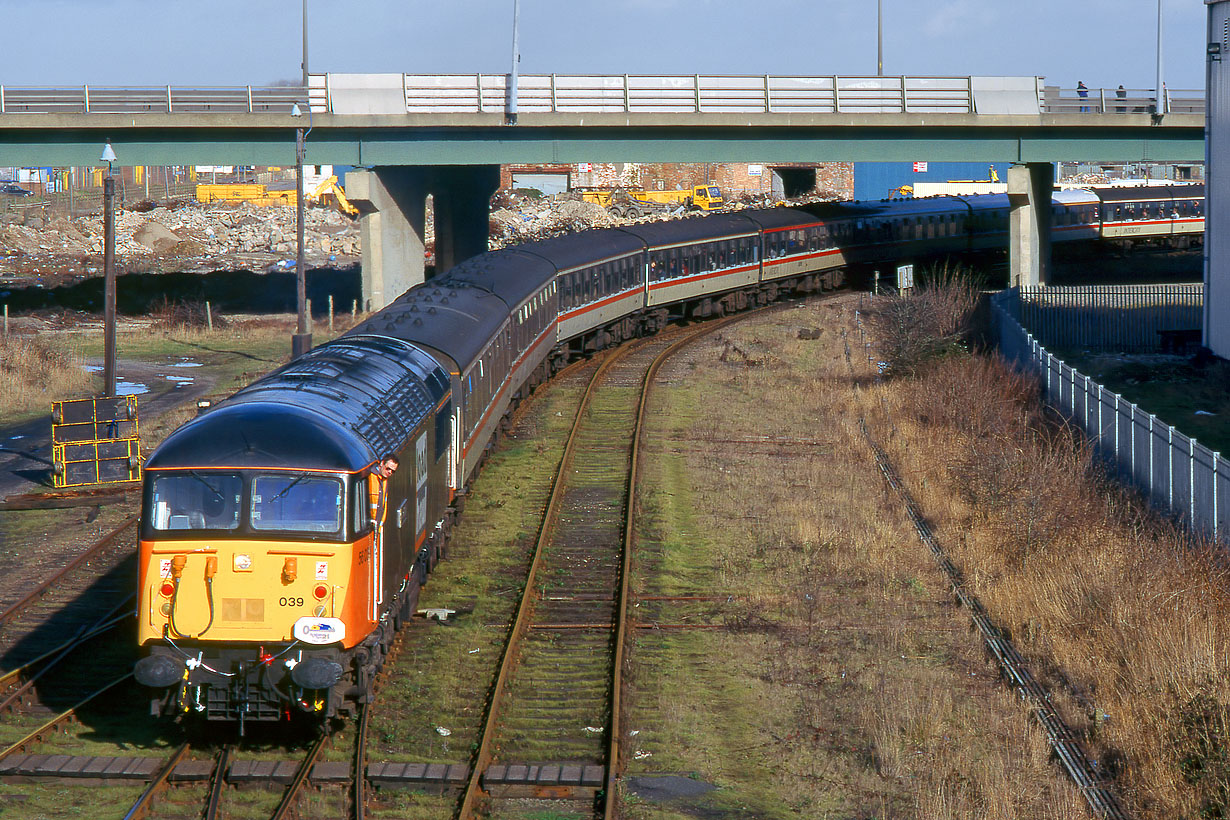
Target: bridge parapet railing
685, 94
621, 93
91, 99
1176, 472
1058, 100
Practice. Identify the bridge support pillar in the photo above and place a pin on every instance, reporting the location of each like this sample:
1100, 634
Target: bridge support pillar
392, 217
461, 197
392, 221
1029, 223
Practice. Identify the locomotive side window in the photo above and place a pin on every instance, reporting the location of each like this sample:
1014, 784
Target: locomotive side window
361, 504
296, 503
196, 501
443, 426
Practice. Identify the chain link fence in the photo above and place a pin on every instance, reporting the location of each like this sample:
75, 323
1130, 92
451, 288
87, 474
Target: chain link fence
1175, 471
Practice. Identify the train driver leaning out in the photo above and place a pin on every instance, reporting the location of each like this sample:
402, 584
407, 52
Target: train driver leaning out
378, 490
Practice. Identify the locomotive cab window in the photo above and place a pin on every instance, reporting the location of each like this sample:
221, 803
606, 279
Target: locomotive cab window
297, 503
196, 501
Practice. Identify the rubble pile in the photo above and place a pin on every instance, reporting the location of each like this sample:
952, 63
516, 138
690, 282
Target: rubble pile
193, 230
516, 218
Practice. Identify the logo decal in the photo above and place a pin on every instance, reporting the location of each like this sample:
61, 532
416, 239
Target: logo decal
322, 570
319, 631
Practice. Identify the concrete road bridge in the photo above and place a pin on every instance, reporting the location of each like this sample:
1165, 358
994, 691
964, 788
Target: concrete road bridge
447, 135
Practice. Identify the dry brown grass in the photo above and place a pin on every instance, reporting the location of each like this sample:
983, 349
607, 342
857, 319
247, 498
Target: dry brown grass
33, 375
1121, 614
847, 685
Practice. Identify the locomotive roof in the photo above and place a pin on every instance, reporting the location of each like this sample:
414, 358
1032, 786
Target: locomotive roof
338, 407
584, 248
455, 318
698, 229
1150, 193
512, 274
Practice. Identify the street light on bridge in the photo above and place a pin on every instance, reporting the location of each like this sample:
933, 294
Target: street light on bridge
301, 341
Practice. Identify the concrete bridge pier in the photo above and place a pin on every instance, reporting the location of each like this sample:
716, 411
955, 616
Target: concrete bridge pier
1029, 223
392, 221
461, 199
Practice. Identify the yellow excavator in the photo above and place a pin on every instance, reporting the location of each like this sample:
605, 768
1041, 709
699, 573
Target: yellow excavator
330, 187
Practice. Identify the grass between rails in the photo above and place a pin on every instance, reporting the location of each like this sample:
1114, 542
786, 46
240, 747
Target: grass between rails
429, 706
844, 682
1122, 616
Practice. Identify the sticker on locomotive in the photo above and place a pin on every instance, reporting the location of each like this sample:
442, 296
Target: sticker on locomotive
322, 570
164, 567
320, 631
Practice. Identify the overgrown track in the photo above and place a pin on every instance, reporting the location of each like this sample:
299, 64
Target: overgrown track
554, 705
1067, 748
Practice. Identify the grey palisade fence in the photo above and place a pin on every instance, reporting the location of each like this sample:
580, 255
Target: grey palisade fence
1175, 471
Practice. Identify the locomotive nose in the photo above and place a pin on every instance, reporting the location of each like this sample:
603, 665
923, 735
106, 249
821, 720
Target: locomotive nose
158, 671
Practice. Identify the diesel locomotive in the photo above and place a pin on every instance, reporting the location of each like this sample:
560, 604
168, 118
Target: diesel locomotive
271, 585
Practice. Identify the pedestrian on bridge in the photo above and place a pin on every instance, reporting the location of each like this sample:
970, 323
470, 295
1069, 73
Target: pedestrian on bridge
1082, 91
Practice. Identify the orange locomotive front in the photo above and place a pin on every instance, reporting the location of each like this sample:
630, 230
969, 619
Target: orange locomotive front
272, 576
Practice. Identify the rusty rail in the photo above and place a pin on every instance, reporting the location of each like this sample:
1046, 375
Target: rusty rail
107, 540
66, 715
48, 660
483, 755
218, 783
141, 808
291, 796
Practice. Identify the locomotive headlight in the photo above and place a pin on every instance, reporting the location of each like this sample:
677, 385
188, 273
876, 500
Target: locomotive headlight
165, 609
243, 563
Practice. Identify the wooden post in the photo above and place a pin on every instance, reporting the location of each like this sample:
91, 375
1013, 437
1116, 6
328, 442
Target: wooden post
209, 318
6, 319
330, 312
354, 310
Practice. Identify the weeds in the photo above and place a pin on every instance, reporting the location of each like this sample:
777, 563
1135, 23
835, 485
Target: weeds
1121, 613
32, 375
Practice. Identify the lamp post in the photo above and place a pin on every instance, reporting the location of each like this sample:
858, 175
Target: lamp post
1160, 87
301, 342
510, 114
879, 38
108, 156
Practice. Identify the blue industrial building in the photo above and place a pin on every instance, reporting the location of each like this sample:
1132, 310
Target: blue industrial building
881, 180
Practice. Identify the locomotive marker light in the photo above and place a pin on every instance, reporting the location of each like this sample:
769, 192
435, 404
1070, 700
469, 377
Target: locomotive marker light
108, 156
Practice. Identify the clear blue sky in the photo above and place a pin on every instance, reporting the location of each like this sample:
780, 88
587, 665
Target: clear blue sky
240, 42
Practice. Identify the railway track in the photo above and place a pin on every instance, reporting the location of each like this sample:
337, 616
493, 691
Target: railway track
69, 601
551, 725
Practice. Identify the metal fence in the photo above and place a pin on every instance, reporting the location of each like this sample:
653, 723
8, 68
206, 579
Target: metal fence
618, 93
1126, 318
165, 99
688, 94
1175, 471
1057, 100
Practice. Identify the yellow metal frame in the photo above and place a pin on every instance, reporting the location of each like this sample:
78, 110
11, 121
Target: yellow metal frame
70, 447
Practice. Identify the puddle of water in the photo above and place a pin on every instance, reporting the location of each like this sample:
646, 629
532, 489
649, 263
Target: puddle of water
92, 368
185, 379
130, 389
186, 363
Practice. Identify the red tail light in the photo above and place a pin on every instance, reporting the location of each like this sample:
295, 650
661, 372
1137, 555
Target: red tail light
167, 589
321, 592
